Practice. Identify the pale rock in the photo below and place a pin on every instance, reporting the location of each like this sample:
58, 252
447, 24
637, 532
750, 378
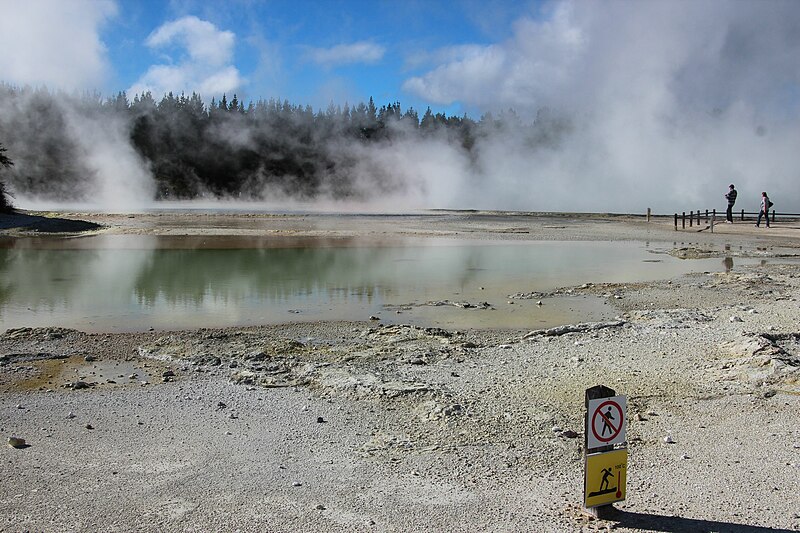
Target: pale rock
16, 442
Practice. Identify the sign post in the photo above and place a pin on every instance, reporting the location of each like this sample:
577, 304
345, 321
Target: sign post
606, 457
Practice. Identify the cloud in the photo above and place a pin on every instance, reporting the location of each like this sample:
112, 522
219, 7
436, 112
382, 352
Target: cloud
345, 54
54, 43
520, 72
202, 40
200, 59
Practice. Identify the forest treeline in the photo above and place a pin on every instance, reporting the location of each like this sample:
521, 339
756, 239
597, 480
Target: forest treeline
228, 148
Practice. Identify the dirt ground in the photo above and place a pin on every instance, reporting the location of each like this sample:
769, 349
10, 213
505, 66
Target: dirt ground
361, 426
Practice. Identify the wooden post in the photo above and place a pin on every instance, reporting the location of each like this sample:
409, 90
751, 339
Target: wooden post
683, 220
742, 214
698, 217
706, 215
713, 219
648, 214
676, 221
691, 218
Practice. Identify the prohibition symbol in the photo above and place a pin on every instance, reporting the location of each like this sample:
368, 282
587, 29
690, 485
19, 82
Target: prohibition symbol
607, 423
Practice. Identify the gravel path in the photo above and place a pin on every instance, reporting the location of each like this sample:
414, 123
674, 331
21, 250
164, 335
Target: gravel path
364, 427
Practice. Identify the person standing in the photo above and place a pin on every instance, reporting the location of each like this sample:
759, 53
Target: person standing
731, 197
765, 205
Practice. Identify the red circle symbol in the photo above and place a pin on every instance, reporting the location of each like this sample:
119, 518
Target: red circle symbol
608, 421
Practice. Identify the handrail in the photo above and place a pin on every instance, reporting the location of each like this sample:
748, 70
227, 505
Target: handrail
712, 215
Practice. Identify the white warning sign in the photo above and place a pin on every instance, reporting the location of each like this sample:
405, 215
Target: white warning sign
607, 421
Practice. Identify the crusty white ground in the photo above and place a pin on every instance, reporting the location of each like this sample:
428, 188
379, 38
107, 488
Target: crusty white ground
427, 430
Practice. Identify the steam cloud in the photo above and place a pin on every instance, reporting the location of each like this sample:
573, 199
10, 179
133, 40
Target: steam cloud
650, 104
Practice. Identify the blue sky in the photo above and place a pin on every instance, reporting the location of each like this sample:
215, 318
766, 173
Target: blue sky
303, 51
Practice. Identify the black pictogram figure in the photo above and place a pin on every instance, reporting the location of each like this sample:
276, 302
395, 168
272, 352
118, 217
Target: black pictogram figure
604, 488
606, 474
607, 418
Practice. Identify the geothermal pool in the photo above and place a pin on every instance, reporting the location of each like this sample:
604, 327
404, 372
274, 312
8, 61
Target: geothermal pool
133, 282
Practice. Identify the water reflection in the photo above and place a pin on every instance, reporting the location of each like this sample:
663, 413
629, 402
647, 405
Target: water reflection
134, 282
728, 264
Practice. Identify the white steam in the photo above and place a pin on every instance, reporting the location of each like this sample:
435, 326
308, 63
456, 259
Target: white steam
122, 180
670, 102
54, 42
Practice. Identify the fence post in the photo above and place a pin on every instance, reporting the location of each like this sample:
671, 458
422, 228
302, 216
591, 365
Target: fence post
691, 218
648, 214
683, 220
698, 217
742, 214
713, 214
713, 219
676, 221
706, 215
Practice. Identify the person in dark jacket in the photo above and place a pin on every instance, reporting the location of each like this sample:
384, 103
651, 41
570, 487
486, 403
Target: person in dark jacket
731, 197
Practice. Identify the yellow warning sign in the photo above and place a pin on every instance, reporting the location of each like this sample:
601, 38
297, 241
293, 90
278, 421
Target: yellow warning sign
604, 478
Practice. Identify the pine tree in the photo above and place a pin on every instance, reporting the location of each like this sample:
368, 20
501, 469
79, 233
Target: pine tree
5, 162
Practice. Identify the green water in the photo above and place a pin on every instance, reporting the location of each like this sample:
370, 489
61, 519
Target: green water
130, 283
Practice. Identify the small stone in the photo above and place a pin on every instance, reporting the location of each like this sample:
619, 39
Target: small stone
539, 302
736, 319
20, 406
228, 433
770, 393
373, 317
319, 507
320, 420
89, 426
89, 358
221, 405
70, 415
669, 440
16, 442
557, 429
569, 434
168, 374
132, 376
684, 456
297, 484
639, 417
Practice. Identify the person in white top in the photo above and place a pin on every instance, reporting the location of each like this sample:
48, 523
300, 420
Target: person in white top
765, 205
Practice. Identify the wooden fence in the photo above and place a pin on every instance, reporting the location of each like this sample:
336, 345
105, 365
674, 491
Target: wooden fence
712, 216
